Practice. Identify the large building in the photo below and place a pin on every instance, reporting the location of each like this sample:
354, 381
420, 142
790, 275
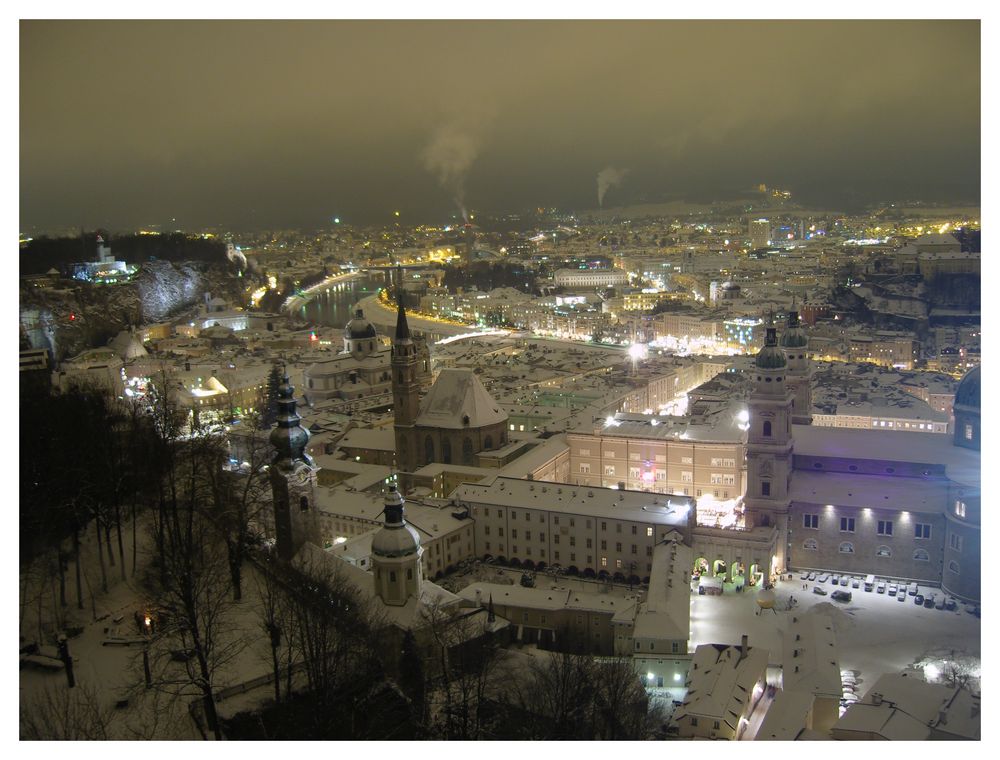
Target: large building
455, 421
362, 368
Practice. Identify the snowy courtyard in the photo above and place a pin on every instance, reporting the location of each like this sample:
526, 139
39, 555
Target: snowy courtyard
875, 633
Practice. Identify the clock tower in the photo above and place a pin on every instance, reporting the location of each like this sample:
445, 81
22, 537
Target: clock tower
293, 479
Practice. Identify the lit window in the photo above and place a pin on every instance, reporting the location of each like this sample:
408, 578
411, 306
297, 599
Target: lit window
810, 543
960, 508
883, 551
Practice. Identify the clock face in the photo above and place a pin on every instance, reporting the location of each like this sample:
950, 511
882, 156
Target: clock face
302, 474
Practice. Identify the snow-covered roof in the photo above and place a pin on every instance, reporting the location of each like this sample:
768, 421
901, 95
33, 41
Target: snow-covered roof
410, 616
457, 400
809, 656
609, 503
720, 683
961, 465
848, 489
786, 717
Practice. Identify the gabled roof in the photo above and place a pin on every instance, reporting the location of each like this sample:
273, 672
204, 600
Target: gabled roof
458, 400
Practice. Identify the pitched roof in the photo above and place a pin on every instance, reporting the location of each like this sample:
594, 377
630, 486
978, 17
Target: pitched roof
456, 395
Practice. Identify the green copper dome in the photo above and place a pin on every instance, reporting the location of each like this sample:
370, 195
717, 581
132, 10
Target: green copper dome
770, 356
794, 336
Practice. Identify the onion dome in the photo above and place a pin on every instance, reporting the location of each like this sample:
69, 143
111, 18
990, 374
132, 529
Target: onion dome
794, 336
359, 328
395, 538
967, 392
289, 438
770, 356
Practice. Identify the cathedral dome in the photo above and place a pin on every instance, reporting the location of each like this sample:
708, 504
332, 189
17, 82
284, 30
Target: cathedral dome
359, 328
395, 538
967, 392
770, 356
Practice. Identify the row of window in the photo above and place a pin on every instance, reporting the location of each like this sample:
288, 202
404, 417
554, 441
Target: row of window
619, 564
846, 547
555, 521
882, 527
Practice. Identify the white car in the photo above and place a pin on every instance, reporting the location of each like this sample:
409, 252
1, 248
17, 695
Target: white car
880, 587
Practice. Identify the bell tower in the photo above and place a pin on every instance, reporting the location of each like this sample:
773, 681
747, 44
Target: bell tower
396, 554
795, 346
293, 479
405, 387
769, 443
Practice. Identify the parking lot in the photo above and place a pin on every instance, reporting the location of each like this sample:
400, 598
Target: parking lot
875, 632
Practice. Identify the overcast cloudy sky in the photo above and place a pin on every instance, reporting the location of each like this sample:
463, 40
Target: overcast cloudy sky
269, 124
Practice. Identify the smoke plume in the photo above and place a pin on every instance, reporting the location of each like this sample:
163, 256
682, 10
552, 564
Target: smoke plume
606, 179
448, 156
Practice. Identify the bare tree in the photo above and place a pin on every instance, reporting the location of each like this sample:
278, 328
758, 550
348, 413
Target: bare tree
58, 713
462, 659
192, 589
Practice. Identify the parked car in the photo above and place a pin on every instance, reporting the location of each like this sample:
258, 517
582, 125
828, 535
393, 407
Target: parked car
918, 599
803, 576
940, 604
841, 596
823, 578
929, 602
901, 595
880, 588
913, 590
951, 606
855, 583
893, 588
834, 579
819, 590
812, 576
849, 698
844, 580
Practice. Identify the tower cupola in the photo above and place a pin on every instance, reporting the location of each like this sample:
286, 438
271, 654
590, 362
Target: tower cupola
289, 438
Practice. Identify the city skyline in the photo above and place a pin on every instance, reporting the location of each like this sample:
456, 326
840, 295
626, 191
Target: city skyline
285, 124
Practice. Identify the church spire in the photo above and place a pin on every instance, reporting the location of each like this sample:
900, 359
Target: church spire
402, 328
289, 438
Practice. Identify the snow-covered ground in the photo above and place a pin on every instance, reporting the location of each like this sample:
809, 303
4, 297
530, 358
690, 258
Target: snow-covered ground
875, 633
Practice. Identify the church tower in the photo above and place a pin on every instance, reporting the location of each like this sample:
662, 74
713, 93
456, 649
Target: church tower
769, 444
396, 553
795, 345
405, 388
293, 479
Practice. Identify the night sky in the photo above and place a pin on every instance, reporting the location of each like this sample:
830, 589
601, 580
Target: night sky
286, 124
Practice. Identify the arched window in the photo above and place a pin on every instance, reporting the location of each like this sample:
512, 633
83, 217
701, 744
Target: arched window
953, 567
428, 450
921, 555
846, 548
883, 551
488, 443
467, 451
767, 428
446, 450
810, 543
